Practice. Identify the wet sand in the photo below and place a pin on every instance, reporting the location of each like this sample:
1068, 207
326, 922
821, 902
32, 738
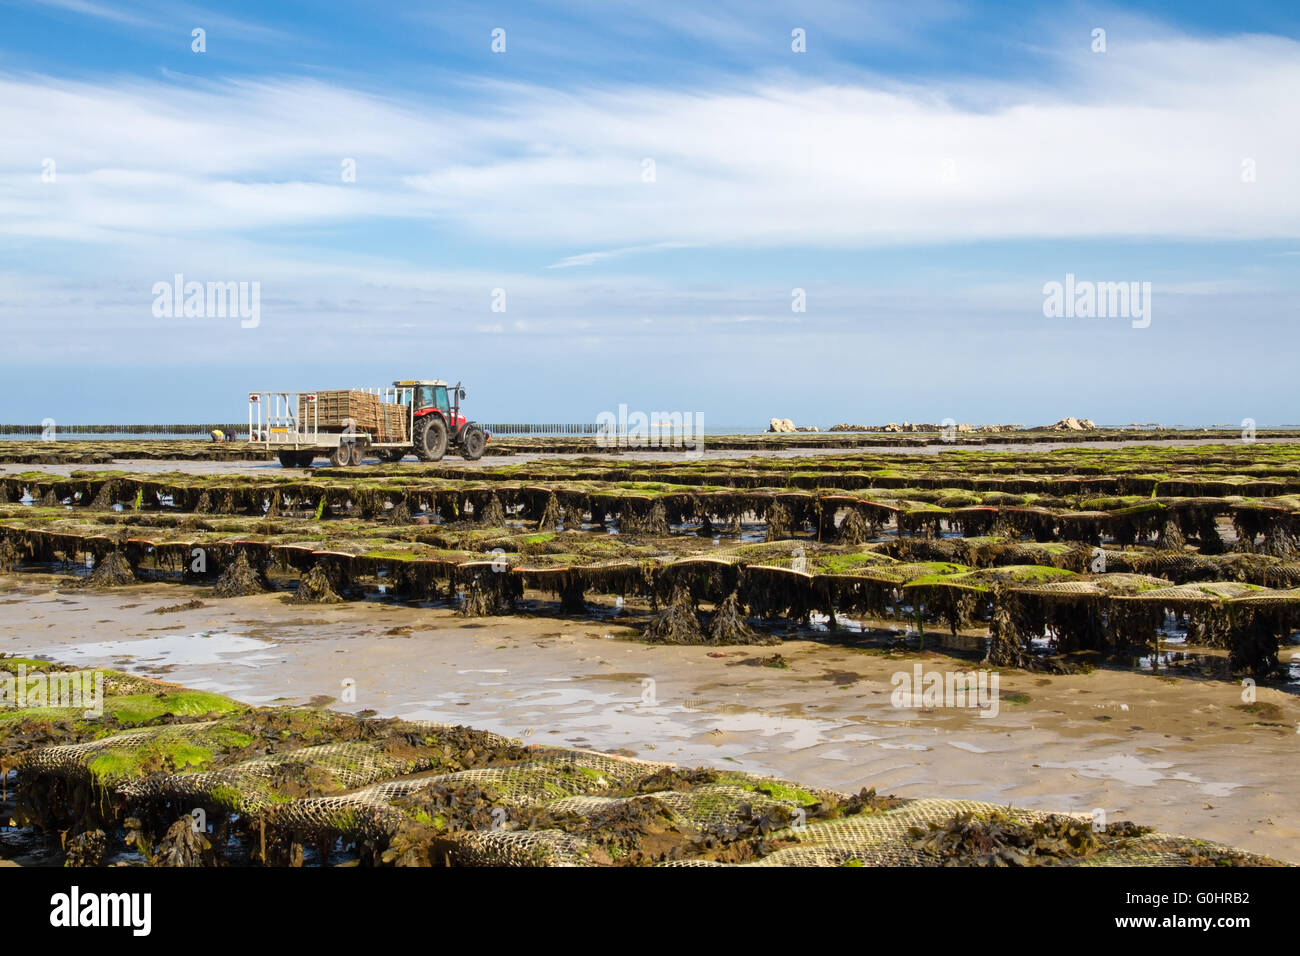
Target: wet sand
1177, 754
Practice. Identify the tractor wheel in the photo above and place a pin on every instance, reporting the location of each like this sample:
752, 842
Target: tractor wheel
305, 458
341, 456
288, 459
474, 444
355, 454
430, 438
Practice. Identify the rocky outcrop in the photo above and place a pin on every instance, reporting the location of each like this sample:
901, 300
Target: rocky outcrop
1073, 425
780, 425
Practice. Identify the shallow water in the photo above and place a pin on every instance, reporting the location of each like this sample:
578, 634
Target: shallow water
191, 650
550, 681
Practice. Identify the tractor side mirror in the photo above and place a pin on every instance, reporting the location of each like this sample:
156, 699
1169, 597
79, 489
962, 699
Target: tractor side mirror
462, 395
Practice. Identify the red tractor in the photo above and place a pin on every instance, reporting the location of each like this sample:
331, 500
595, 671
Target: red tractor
436, 422
421, 416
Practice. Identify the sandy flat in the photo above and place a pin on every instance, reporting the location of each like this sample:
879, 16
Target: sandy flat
1175, 754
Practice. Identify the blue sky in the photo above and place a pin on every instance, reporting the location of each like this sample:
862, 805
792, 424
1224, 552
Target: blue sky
920, 171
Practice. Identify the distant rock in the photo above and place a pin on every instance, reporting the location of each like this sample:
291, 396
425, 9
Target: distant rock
1073, 425
781, 425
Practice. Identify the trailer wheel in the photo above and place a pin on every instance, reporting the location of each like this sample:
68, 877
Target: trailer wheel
391, 454
430, 438
341, 456
305, 458
474, 445
288, 459
355, 454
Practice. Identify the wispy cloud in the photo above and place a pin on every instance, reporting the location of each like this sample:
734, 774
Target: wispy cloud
100, 11
772, 165
177, 17
590, 258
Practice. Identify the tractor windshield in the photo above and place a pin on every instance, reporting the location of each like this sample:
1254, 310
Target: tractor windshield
432, 396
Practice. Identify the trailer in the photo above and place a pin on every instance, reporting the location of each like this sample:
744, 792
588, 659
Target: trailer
412, 416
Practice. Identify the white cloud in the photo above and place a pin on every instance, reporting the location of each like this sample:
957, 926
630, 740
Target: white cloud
1147, 142
590, 258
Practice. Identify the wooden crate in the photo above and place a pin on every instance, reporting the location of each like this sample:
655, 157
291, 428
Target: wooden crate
392, 423
334, 407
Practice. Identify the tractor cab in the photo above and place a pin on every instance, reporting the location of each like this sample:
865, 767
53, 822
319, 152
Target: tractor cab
436, 421
431, 395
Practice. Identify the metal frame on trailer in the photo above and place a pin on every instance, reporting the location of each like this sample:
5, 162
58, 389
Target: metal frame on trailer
273, 420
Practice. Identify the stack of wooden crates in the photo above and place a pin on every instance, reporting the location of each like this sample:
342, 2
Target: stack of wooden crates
383, 421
